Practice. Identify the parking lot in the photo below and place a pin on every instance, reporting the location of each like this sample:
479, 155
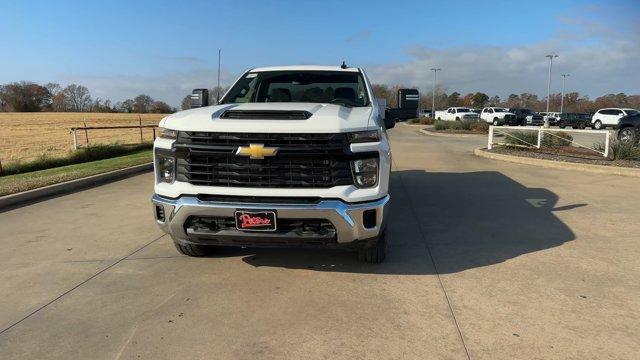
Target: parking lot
488, 260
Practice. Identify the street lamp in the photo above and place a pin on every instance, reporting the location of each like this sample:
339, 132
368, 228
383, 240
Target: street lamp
546, 121
564, 77
433, 99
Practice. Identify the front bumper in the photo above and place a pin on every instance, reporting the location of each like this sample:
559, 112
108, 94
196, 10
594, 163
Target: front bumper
347, 219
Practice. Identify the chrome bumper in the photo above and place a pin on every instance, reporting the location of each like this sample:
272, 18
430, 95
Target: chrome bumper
345, 217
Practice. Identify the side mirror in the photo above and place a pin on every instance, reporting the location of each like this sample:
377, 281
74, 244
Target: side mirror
389, 122
199, 98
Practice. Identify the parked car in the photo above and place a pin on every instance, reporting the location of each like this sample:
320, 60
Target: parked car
527, 117
629, 129
290, 156
498, 116
609, 117
456, 113
574, 120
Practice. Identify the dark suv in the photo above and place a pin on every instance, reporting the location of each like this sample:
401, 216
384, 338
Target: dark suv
574, 120
629, 129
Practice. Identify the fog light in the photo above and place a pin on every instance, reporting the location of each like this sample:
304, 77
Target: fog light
365, 172
160, 213
165, 167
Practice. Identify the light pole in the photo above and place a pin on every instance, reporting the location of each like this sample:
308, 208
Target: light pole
564, 77
433, 99
546, 121
218, 88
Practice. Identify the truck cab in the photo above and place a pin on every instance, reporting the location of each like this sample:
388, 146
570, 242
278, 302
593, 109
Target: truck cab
291, 156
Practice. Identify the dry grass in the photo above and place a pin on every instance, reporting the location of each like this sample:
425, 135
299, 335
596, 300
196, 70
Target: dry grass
27, 136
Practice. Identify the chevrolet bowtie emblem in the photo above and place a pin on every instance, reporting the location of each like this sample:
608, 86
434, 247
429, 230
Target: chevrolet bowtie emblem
256, 151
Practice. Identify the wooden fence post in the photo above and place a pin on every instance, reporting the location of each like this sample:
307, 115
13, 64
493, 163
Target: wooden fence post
140, 118
86, 132
75, 139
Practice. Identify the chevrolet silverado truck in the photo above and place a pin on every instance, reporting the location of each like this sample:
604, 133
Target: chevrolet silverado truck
456, 114
290, 156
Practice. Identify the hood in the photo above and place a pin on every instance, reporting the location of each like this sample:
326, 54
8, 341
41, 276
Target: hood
324, 118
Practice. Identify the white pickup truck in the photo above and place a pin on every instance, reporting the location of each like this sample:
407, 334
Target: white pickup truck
291, 156
456, 113
498, 116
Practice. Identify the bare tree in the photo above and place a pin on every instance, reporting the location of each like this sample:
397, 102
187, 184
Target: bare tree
186, 103
77, 98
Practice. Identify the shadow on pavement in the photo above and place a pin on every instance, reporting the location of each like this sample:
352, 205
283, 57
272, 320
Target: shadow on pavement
467, 220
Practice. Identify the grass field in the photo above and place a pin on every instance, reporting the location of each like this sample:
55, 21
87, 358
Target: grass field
22, 182
27, 136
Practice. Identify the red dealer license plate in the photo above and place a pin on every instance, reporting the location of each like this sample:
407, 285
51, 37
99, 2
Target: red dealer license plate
256, 220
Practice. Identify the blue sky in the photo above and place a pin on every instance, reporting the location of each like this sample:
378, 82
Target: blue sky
164, 48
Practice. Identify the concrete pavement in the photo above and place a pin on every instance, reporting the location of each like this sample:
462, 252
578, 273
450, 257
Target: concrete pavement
488, 260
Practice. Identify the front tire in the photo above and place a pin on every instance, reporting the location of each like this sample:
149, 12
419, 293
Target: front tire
377, 253
496, 122
597, 125
628, 135
192, 249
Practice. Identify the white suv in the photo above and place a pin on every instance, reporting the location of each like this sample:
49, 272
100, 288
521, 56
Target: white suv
609, 117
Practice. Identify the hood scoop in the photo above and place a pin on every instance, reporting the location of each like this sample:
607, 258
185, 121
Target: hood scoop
266, 114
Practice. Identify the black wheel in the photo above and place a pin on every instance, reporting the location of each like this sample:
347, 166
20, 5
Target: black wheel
376, 253
457, 118
562, 125
192, 250
628, 135
582, 126
496, 122
597, 125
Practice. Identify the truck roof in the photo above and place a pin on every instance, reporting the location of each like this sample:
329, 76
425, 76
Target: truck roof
304, 68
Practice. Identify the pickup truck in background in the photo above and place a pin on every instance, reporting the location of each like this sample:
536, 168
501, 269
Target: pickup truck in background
291, 156
456, 113
527, 116
498, 116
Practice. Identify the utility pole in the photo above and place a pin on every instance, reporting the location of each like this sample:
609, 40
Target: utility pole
564, 77
218, 88
551, 56
433, 99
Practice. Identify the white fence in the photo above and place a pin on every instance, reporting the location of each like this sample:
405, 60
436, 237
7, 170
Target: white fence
507, 131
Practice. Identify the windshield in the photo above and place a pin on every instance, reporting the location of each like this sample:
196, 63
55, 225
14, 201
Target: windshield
336, 87
500, 110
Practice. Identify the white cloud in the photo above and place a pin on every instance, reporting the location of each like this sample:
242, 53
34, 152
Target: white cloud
600, 61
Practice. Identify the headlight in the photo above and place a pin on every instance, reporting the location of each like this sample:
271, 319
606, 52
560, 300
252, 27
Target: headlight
364, 136
166, 168
365, 172
168, 134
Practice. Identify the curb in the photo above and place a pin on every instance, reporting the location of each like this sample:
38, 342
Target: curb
551, 164
28, 196
431, 133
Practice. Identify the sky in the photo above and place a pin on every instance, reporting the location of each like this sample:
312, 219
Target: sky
119, 49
